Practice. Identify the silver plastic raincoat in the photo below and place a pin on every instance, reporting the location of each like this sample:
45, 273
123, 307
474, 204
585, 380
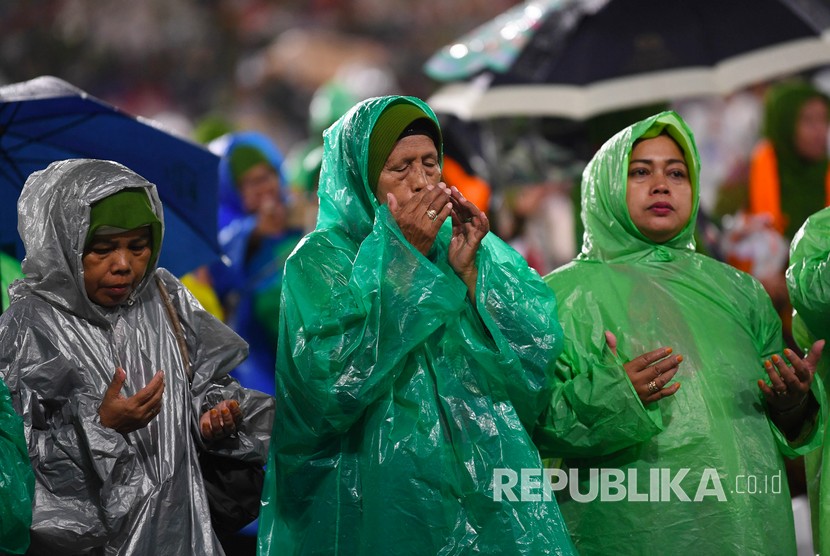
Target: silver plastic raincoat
398, 399
98, 491
698, 472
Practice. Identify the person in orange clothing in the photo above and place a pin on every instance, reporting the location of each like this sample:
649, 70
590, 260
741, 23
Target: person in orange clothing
475, 189
459, 167
788, 176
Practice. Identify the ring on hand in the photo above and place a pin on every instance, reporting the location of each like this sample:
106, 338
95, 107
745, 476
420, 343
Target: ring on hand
780, 392
468, 219
432, 214
652, 387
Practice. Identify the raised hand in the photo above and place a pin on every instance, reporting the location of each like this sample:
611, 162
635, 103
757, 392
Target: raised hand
469, 226
650, 372
221, 421
129, 414
790, 385
421, 216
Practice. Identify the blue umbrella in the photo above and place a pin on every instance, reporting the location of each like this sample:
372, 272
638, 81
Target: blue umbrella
47, 119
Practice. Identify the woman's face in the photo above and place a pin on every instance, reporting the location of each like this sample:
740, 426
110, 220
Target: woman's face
659, 192
811, 130
115, 264
411, 166
258, 186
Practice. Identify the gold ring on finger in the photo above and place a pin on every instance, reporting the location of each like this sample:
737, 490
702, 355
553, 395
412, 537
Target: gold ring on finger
652, 387
432, 214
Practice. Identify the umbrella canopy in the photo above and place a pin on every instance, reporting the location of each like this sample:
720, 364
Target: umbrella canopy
47, 119
578, 58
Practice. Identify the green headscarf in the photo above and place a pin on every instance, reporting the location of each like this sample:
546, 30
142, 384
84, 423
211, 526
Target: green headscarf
801, 181
126, 210
393, 123
243, 158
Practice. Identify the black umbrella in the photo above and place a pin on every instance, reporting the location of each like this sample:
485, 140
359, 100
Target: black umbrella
577, 58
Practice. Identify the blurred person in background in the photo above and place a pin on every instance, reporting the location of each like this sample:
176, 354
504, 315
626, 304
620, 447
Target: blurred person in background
121, 377
414, 357
256, 239
644, 313
789, 177
303, 162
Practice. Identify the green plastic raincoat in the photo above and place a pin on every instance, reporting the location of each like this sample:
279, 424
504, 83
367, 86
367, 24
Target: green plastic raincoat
397, 398
700, 472
17, 482
808, 281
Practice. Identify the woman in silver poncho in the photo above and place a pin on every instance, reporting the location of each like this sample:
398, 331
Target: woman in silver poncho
113, 421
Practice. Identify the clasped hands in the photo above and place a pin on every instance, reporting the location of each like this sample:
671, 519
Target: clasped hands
128, 414
420, 218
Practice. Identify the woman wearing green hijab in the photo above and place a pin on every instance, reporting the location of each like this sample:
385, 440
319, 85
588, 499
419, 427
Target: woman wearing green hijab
415, 354
788, 177
670, 443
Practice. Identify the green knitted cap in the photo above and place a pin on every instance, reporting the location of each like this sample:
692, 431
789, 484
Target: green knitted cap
243, 158
393, 121
124, 211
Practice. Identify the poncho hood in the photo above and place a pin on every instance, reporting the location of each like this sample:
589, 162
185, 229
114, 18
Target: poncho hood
610, 234
53, 220
346, 198
230, 202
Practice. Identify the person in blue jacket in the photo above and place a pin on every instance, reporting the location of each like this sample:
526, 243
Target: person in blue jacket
256, 239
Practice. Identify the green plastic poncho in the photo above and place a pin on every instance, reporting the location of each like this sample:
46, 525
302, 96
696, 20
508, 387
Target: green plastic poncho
397, 398
9, 272
699, 472
808, 281
17, 482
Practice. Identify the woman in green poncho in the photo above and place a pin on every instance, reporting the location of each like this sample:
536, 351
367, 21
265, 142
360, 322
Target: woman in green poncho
808, 282
416, 351
651, 467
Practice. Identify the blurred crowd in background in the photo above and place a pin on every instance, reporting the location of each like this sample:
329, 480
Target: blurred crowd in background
287, 70
206, 67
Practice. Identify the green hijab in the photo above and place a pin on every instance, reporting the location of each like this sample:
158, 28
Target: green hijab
801, 181
126, 210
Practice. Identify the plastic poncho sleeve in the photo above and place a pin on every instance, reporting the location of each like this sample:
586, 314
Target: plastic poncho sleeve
214, 350
808, 277
70, 446
594, 409
519, 312
17, 483
770, 331
352, 314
